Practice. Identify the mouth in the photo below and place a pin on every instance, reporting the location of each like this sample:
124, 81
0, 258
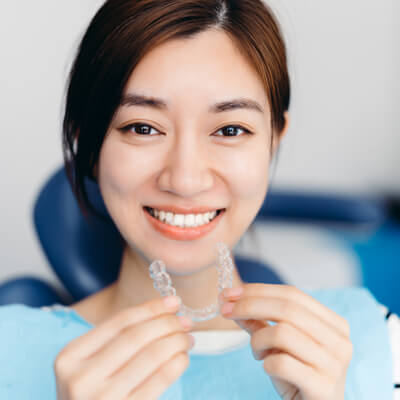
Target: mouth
183, 220
183, 227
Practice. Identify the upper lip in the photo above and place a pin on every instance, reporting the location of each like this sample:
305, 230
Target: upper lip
185, 210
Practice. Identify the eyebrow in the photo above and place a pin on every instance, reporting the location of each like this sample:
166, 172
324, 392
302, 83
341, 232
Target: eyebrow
133, 99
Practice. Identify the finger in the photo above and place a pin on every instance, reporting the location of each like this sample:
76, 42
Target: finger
145, 364
294, 294
283, 366
251, 325
288, 339
281, 310
96, 338
128, 343
154, 386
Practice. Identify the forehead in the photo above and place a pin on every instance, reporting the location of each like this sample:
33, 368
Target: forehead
204, 68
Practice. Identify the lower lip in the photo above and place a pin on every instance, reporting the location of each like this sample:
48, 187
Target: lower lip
178, 233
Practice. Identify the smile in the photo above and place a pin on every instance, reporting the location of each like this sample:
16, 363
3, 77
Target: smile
183, 227
181, 220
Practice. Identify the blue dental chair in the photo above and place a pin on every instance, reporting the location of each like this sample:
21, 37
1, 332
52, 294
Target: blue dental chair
85, 255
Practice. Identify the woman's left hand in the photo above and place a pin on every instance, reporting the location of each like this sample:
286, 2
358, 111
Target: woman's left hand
307, 352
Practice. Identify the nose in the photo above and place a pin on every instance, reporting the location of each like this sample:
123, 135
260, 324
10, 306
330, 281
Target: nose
186, 171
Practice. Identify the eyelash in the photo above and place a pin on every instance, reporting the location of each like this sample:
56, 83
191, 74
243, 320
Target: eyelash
127, 128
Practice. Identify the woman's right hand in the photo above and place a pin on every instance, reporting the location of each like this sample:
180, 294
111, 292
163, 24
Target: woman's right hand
136, 354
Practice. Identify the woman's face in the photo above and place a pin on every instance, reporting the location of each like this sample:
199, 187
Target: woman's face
187, 154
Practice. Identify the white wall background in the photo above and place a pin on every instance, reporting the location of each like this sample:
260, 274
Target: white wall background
345, 130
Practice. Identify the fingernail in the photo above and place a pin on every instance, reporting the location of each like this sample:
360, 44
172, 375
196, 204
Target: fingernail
186, 322
171, 302
227, 308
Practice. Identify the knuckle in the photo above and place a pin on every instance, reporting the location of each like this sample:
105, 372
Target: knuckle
348, 351
74, 388
60, 364
292, 291
243, 306
164, 324
131, 334
254, 340
180, 362
171, 322
125, 318
346, 326
288, 311
153, 307
154, 352
169, 345
183, 340
276, 364
344, 350
280, 333
172, 369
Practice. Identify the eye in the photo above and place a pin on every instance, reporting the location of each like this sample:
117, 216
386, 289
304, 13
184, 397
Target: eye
231, 129
140, 129
145, 129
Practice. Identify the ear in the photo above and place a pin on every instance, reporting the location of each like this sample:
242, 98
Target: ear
278, 136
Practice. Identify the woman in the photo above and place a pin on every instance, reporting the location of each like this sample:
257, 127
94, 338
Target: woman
176, 109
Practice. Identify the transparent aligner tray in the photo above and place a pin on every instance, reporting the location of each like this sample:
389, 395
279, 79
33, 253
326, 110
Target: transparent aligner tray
163, 283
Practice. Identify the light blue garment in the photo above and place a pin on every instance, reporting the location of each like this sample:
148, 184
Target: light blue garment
30, 340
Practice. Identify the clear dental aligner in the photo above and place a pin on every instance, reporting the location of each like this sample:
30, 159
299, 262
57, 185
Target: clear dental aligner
162, 282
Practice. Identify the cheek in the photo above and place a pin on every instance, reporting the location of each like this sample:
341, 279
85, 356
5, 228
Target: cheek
248, 174
122, 170
248, 183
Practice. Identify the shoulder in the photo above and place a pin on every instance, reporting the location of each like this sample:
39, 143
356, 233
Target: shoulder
371, 337
36, 331
348, 301
32, 337
359, 306
14, 317
24, 344
375, 329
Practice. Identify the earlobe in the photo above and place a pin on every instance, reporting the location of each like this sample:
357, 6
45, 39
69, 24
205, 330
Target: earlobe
277, 137
286, 127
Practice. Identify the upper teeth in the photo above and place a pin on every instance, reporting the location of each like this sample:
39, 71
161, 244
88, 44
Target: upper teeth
184, 221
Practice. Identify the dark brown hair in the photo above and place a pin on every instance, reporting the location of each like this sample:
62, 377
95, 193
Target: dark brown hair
123, 31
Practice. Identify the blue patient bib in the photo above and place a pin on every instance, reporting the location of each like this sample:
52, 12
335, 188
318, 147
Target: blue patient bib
30, 340
237, 375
